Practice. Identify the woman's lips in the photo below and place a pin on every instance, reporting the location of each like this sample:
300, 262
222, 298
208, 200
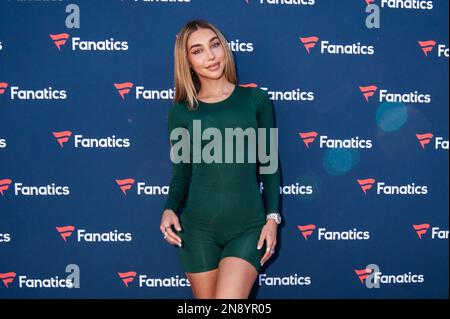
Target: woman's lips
214, 67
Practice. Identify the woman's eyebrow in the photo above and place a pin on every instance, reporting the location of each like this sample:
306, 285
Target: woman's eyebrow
199, 45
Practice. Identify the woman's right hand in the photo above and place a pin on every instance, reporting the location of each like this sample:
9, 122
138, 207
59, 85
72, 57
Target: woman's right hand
168, 219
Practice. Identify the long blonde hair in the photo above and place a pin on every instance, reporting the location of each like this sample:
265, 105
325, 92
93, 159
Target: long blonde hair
187, 83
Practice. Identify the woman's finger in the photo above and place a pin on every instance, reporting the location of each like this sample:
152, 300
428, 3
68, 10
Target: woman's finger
266, 256
267, 252
171, 234
270, 250
162, 227
261, 240
176, 224
173, 241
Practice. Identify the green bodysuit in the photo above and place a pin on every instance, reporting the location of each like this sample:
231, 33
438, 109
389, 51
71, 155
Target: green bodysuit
224, 210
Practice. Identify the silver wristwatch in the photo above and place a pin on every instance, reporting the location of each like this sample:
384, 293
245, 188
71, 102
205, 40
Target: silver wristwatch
275, 216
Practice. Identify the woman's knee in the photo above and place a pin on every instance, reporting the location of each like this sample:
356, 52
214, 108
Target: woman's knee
203, 284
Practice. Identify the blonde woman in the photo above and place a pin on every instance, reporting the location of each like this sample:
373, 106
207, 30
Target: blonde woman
227, 229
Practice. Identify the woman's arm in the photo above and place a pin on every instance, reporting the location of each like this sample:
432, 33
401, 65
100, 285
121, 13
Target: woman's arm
271, 181
182, 172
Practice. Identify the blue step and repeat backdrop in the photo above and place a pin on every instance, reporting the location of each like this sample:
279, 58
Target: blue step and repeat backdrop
360, 91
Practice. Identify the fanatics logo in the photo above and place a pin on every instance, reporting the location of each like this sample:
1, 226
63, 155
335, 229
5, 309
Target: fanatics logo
7, 278
309, 42
127, 277
325, 234
326, 142
65, 231
330, 48
4, 185
80, 141
404, 4
363, 274
3, 86
393, 97
40, 94
439, 141
59, 39
307, 230
424, 139
366, 184
20, 189
427, 46
123, 88
436, 232
62, 137
382, 188
368, 91
125, 184
77, 44
421, 229
308, 137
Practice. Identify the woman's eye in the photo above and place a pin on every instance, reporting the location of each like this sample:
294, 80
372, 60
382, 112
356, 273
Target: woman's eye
214, 45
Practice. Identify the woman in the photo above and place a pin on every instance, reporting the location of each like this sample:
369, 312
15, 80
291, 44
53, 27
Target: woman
224, 225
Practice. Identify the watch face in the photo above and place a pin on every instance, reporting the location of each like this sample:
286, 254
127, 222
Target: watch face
276, 217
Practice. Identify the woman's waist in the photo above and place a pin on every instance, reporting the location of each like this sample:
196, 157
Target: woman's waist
204, 204
231, 184
214, 220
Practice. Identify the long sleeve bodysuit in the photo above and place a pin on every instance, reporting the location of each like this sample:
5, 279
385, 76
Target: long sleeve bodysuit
224, 211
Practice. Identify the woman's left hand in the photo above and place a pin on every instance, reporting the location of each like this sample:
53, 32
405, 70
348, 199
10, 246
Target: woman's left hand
269, 235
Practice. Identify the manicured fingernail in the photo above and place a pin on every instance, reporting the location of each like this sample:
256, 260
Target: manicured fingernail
179, 229
259, 247
179, 244
262, 264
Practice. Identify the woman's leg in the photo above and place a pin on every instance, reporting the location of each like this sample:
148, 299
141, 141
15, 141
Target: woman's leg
235, 278
203, 284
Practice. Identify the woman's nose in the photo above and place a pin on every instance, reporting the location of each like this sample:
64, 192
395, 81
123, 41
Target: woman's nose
209, 54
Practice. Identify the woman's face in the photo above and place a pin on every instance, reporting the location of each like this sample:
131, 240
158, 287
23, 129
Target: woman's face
206, 54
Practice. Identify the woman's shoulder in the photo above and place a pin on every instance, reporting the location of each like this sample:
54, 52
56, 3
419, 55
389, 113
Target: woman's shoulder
175, 113
178, 108
259, 92
255, 93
